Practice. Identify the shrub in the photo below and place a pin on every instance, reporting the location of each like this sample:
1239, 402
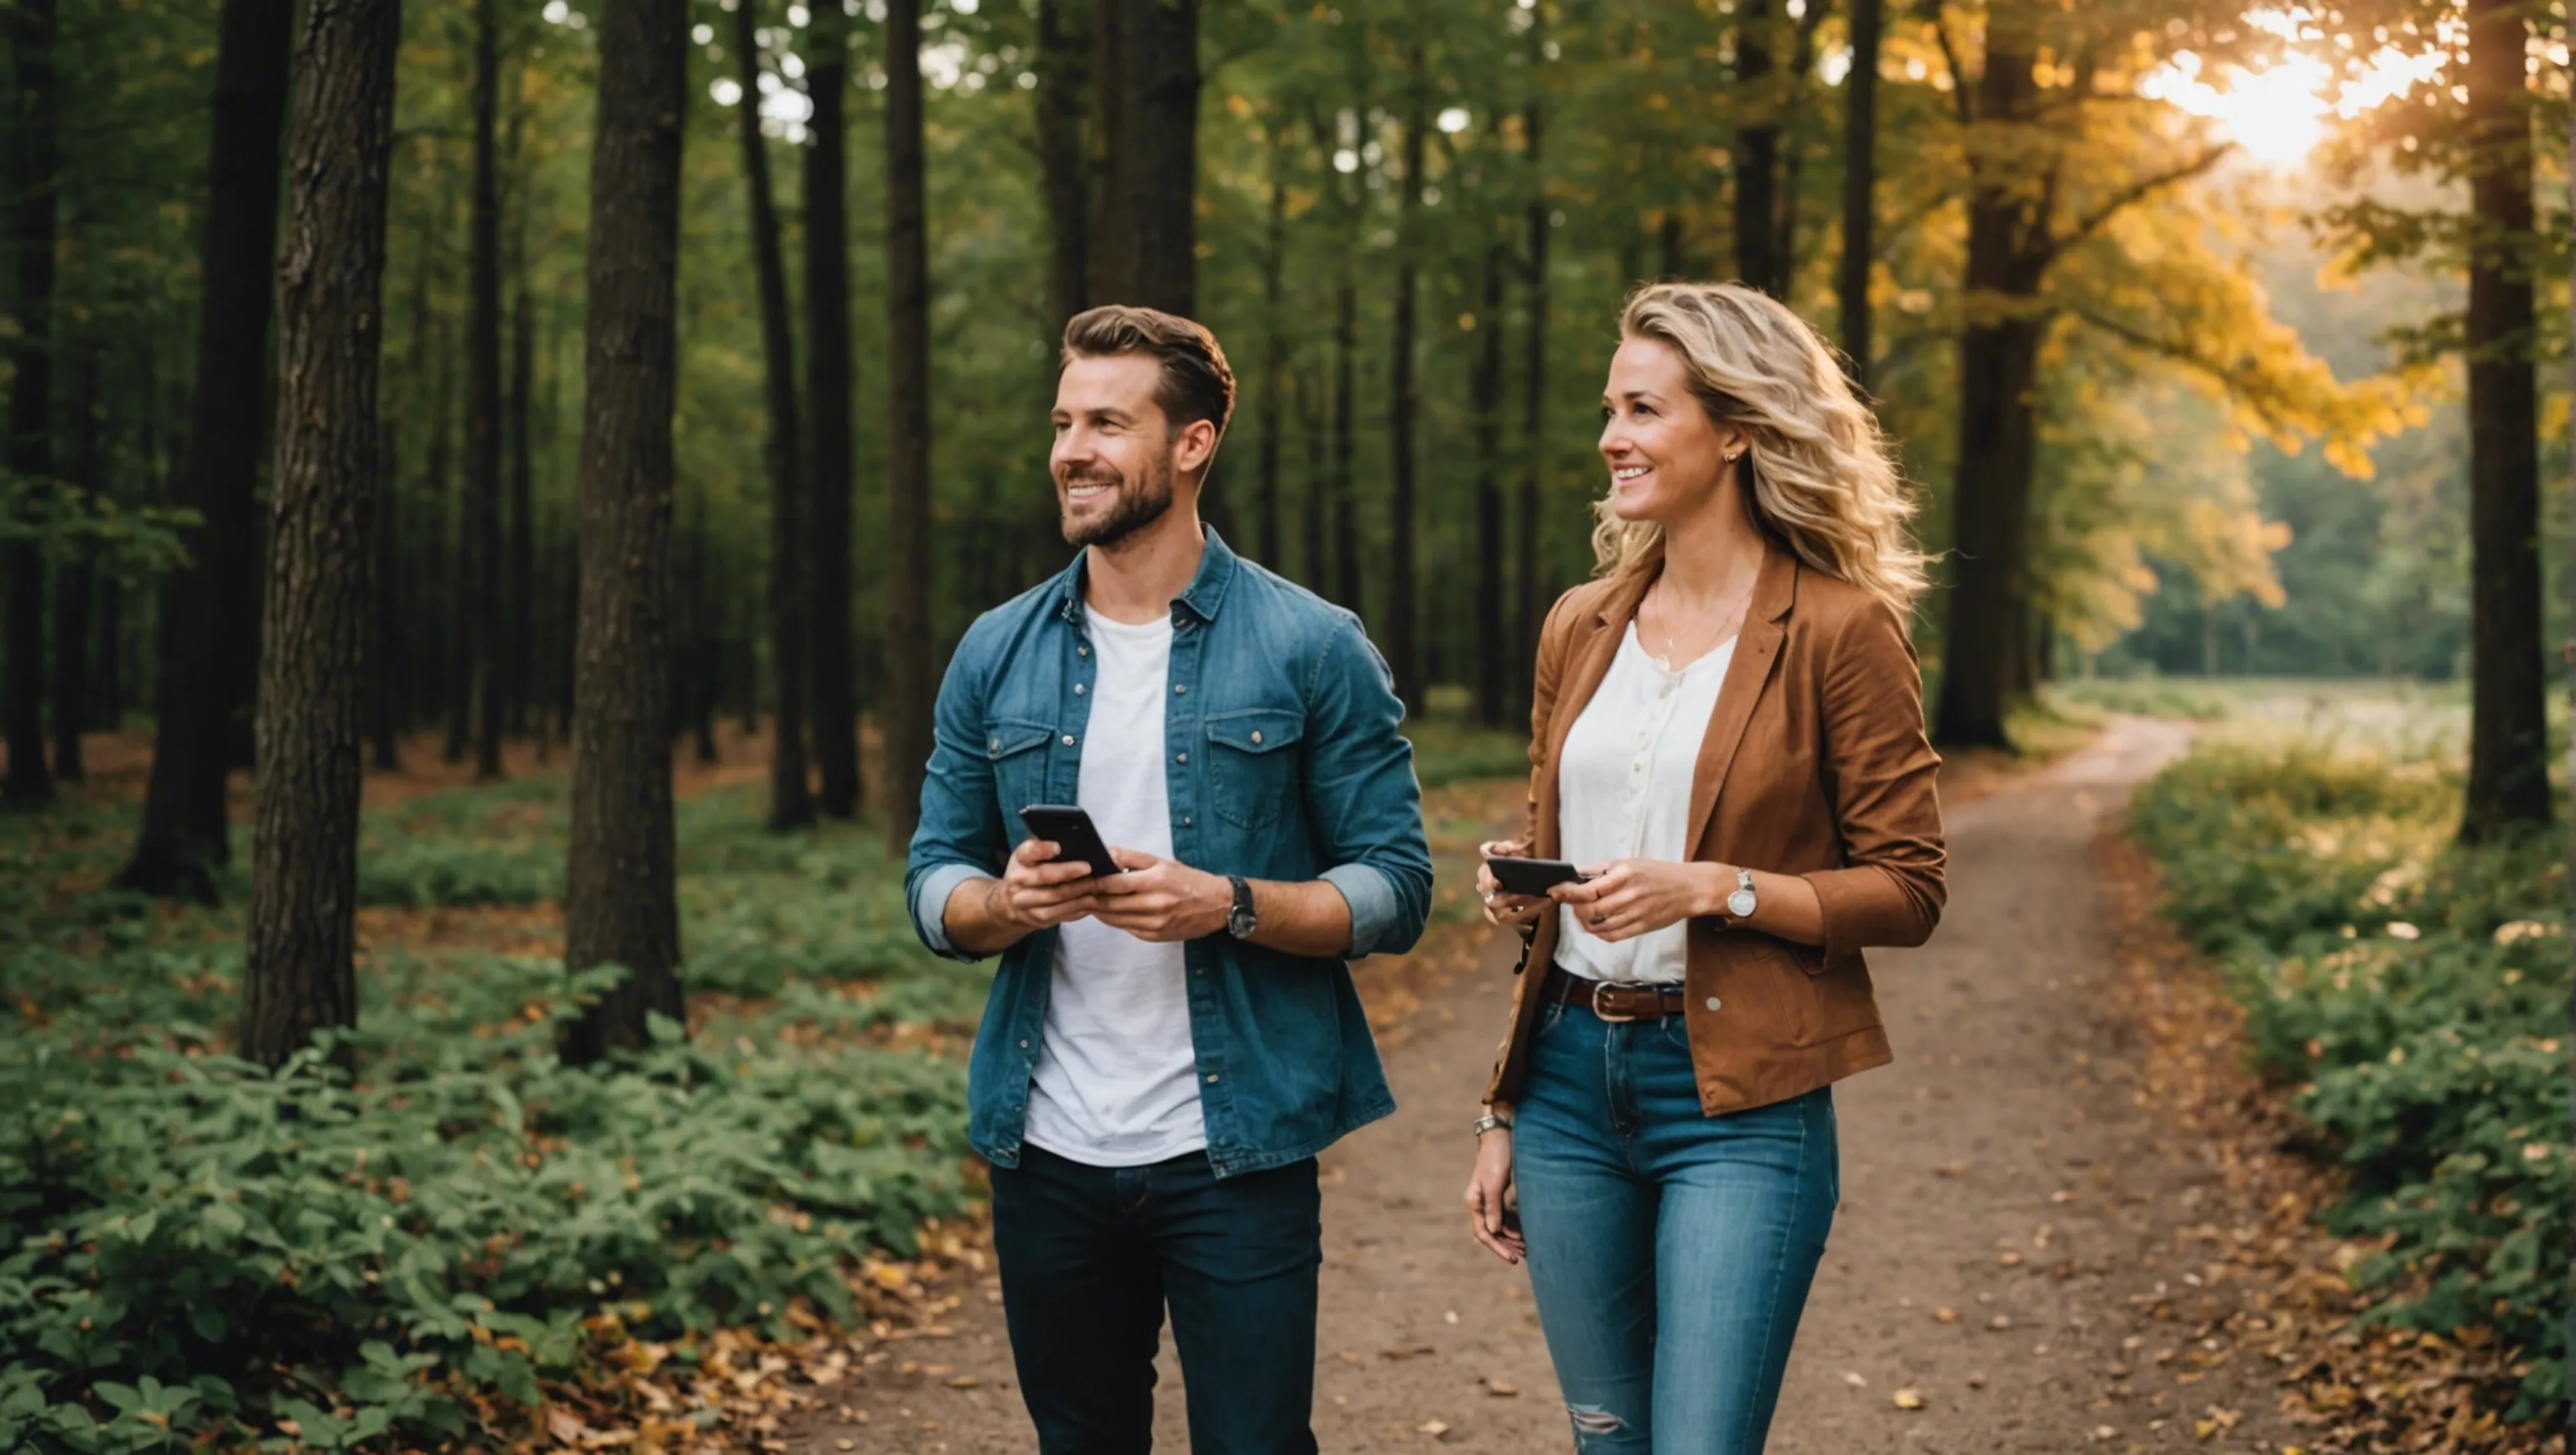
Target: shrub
2414, 992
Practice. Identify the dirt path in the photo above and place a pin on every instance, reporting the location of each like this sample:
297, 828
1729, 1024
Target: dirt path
2020, 1245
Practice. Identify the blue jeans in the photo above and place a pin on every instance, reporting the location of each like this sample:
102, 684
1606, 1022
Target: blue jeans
1091, 1254
1670, 1251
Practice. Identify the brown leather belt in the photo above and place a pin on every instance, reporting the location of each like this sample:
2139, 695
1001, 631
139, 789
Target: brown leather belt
1610, 1001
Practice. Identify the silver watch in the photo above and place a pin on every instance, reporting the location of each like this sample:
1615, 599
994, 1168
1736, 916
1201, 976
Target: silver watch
1741, 903
1489, 1121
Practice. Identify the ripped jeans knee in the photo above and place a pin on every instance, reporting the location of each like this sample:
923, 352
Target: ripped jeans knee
1598, 1430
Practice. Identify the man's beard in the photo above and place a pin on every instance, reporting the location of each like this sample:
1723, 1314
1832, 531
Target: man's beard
1131, 509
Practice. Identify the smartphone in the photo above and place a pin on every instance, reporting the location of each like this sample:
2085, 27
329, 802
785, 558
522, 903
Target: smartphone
1532, 876
1070, 830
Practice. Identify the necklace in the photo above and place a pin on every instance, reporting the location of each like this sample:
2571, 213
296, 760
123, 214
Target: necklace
1727, 619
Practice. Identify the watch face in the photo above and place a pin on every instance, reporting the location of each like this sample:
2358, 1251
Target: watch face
1740, 903
1239, 924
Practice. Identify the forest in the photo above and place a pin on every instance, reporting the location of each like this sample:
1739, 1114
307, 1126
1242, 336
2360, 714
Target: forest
490, 488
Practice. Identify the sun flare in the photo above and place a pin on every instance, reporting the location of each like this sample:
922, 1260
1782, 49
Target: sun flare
2279, 113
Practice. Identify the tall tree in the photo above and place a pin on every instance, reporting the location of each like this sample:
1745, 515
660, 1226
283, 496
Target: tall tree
76, 586
908, 647
518, 654
1274, 356
390, 662
1860, 185
1063, 168
1757, 199
34, 29
1533, 591
214, 601
1145, 250
1493, 649
620, 900
791, 798
1343, 478
483, 579
828, 398
1403, 635
297, 972
2508, 788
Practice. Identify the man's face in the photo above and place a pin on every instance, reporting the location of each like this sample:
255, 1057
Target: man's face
1112, 459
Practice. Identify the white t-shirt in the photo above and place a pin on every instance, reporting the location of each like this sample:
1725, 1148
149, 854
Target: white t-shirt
1116, 1083
1623, 792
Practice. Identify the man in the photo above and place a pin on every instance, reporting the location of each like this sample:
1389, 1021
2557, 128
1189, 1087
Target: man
1170, 1042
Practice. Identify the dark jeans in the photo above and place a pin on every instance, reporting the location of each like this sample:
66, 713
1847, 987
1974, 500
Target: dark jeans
1091, 1254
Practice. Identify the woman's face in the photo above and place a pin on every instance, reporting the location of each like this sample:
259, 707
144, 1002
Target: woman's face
1666, 456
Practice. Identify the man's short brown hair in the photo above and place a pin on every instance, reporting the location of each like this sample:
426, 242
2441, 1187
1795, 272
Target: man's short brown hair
1196, 382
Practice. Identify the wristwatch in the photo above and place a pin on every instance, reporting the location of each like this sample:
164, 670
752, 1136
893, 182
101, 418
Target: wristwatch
1490, 1120
1741, 903
1241, 922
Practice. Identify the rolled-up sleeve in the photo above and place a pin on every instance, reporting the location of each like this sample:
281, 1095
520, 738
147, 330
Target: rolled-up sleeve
1361, 795
1887, 806
961, 836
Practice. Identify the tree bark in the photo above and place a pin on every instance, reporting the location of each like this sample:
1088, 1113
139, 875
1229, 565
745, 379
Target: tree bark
1274, 365
391, 663
1312, 414
484, 578
77, 586
1063, 170
1860, 184
518, 655
1403, 633
1493, 649
908, 645
620, 900
1757, 199
828, 396
297, 975
2508, 788
791, 797
1344, 477
1146, 248
33, 31
1533, 590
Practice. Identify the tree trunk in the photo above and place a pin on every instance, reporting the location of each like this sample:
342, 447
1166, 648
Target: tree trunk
620, 899
791, 798
518, 655
33, 30
909, 684
484, 579
1757, 198
2508, 789
1860, 182
1344, 477
1146, 249
1062, 167
297, 973
1493, 649
391, 661
1533, 590
1998, 365
1312, 414
1274, 365
828, 396
78, 585
1403, 635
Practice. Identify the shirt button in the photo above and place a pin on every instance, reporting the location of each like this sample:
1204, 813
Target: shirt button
1077, 689
994, 746
1211, 1078
1184, 757
1180, 689
1186, 821
1082, 651
1256, 735
1068, 740
1025, 1045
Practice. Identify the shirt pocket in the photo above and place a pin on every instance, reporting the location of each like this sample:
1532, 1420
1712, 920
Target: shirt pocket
1016, 746
1252, 774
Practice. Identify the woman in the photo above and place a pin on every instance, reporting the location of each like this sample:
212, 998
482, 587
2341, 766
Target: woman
1727, 739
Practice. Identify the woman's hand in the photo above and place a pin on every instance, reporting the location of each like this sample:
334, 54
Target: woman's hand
1489, 1192
1625, 898
1513, 911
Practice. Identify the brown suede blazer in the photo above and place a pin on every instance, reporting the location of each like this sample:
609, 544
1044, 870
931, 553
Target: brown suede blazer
1815, 763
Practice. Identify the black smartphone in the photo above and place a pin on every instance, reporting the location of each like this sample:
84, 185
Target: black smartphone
1070, 830
1532, 876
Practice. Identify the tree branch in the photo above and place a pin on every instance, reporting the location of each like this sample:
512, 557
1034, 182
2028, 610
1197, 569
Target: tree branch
1930, 12
2141, 189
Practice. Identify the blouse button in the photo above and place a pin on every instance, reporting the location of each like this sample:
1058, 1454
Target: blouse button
1712, 1002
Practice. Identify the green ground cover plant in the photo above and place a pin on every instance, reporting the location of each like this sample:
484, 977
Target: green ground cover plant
2414, 994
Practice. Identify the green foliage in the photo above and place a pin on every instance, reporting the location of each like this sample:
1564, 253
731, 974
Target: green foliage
189, 1244
2415, 995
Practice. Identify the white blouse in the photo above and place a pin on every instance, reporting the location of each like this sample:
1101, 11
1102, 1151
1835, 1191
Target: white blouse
1623, 791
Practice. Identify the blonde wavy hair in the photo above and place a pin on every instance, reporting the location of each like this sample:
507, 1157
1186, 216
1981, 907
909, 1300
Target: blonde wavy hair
1822, 478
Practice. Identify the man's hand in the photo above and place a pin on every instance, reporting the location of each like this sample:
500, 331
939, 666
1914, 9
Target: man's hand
1162, 900
1033, 894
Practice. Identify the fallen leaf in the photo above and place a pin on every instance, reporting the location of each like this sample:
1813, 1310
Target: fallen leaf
1404, 1353
1976, 1381
1945, 1315
1852, 1378
564, 1425
1501, 1388
1952, 1169
845, 1444
965, 1381
1350, 1356
2010, 1260
1909, 1399
1434, 1428
2000, 1321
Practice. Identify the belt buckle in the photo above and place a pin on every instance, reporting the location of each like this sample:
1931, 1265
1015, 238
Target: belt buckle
1599, 986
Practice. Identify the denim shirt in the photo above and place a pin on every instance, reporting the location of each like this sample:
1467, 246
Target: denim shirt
1283, 763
